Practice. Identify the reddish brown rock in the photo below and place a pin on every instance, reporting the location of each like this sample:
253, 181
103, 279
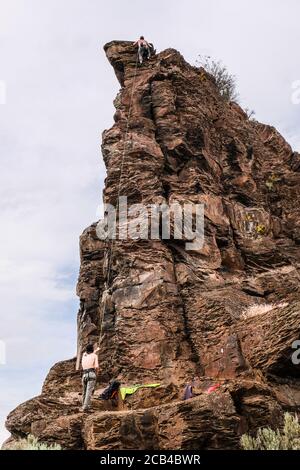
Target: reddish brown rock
207, 421
226, 311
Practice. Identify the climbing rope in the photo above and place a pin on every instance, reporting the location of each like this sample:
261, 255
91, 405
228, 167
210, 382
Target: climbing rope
119, 187
119, 190
121, 169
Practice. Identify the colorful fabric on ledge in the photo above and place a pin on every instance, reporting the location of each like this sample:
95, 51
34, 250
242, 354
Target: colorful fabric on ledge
131, 390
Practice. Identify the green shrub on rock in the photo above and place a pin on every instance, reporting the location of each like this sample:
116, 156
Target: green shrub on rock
32, 443
267, 439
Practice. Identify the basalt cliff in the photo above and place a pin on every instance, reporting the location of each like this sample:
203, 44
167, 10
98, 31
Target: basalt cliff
226, 312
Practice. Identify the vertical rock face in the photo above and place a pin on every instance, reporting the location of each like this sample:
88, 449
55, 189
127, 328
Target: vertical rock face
226, 312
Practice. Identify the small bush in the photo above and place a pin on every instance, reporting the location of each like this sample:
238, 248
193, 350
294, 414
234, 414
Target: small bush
267, 439
32, 443
250, 114
225, 82
271, 181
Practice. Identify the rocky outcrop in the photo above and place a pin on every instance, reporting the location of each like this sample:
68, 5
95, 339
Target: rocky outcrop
209, 422
227, 311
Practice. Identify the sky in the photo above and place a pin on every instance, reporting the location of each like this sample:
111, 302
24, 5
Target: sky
56, 93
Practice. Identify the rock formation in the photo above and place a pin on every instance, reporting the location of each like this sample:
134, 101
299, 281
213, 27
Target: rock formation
227, 312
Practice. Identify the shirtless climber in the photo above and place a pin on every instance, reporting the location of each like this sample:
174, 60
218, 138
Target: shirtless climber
144, 49
90, 369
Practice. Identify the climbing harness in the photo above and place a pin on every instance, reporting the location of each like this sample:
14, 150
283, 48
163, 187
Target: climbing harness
86, 375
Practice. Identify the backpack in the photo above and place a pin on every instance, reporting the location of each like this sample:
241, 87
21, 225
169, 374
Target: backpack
111, 392
188, 392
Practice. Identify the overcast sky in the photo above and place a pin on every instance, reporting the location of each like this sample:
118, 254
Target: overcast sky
59, 93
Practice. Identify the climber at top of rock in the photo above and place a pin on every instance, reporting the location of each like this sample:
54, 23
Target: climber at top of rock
144, 51
90, 368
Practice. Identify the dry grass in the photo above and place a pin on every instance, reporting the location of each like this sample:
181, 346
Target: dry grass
259, 309
31, 443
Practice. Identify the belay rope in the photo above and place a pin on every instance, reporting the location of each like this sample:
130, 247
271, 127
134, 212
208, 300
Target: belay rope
119, 189
121, 169
120, 181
